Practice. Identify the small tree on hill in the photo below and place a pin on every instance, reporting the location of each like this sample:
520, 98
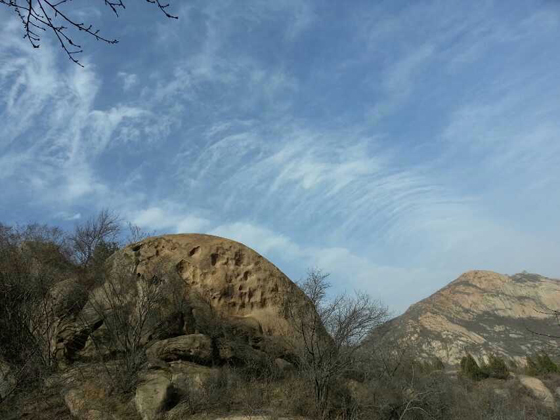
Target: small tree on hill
495, 367
93, 237
540, 364
329, 332
471, 369
33, 259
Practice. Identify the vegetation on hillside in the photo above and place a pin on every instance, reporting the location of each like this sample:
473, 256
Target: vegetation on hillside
338, 369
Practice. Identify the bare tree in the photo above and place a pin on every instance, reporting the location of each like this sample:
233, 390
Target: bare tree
40, 16
137, 234
97, 232
132, 309
330, 332
32, 261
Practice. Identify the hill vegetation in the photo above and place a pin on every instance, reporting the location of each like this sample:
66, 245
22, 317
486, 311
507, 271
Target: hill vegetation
103, 322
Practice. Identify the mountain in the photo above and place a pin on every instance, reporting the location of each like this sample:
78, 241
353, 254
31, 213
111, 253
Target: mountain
482, 312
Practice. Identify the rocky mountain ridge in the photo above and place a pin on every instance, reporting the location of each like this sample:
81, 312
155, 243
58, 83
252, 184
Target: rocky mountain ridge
482, 312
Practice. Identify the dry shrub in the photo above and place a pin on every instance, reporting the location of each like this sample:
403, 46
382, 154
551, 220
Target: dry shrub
214, 394
296, 397
132, 310
541, 365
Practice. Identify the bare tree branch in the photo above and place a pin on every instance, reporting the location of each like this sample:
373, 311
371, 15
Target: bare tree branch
53, 16
97, 231
330, 332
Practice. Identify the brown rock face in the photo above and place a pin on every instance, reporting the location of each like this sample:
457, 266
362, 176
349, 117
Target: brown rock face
238, 282
194, 347
482, 312
7, 380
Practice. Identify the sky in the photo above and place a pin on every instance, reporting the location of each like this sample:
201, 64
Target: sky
394, 144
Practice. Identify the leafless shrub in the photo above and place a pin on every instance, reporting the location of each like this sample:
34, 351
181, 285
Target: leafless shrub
329, 333
214, 394
32, 260
132, 308
93, 235
137, 234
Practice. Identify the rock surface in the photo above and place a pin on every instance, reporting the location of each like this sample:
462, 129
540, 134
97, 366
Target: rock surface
187, 377
193, 347
65, 301
153, 394
82, 407
481, 312
237, 285
238, 282
538, 389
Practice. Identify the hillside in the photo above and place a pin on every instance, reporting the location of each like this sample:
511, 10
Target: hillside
482, 312
203, 327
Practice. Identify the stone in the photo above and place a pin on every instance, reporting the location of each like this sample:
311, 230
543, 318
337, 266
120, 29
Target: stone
67, 298
240, 285
154, 394
284, 366
194, 347
210, 285
538, 389
237, 353
84, 407
187, 377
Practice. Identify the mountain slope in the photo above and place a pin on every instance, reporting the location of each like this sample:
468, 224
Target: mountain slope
482, 312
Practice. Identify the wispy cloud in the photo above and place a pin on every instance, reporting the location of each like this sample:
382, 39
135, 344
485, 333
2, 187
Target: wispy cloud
55, 133
394, 145
353, 181
129, 80
168, 218
398, 82
348, 271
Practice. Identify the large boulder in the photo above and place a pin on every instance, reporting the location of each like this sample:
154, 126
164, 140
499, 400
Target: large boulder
67, 332
67, 298
154, 394
177, 287
82, 407
193, 347
240, 285
188, 378
538, 389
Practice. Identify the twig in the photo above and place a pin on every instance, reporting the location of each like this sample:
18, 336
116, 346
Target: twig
50, 15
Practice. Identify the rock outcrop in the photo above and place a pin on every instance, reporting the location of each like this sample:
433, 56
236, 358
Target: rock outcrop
193, 347
191, 302
232, 284
82, 407
237, 282
482, 312
153, 394
538, 389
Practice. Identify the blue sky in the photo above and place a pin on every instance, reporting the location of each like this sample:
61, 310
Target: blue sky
394, 144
